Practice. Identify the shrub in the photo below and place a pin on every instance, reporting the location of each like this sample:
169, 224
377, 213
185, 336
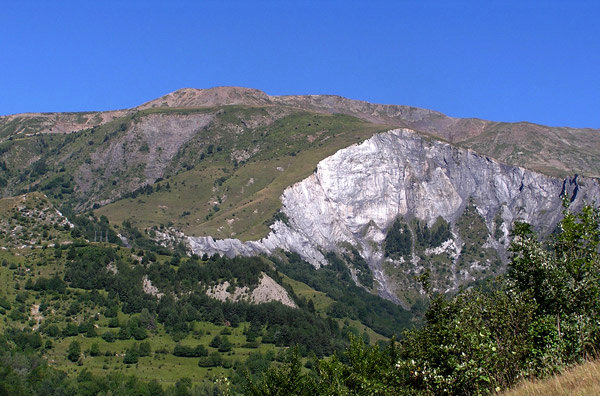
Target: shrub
74, 351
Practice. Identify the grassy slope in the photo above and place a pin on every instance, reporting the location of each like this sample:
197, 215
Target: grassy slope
247, 195
20, 265
241, 161
161, 366
581, 380
558, 152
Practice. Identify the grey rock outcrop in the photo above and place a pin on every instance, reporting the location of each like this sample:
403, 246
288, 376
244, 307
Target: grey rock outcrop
356, 194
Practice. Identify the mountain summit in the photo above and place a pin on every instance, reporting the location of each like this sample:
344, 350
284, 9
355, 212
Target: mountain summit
217, 96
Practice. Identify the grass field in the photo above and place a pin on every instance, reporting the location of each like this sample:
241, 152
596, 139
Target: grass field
581, 380
161, 365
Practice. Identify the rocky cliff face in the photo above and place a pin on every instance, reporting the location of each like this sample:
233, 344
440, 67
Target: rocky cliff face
356, 195
137, 157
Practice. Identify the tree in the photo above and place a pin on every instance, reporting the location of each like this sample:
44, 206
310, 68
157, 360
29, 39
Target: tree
131, 355
144, 349
215, 342
225, 345
95, 349
74, 351
563, 277
147, 319
288, 379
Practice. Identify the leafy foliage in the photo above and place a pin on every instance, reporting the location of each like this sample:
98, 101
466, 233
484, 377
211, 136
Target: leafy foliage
351, 301
544, 315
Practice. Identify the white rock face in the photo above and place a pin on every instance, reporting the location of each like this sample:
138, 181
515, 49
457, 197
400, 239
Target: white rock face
149, 288
357, 193
267, 290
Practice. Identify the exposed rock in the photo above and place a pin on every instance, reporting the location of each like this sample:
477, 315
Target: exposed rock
218, 96
357, 193
148, 147
267, 290
112, 268
149, 288
36, 316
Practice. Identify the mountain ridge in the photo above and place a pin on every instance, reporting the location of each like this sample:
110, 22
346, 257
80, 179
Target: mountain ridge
557, 151
385, 191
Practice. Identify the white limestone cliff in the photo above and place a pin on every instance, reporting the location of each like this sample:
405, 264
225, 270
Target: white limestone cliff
357, 193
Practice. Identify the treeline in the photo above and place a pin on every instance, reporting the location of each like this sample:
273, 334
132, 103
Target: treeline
544, 315
193, 273
351, 301
183, 282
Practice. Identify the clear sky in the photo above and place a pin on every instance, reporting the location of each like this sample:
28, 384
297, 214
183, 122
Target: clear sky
509, 60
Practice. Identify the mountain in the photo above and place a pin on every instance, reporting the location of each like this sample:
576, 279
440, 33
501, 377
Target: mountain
208, 233
551, 150
457, 206
392, 190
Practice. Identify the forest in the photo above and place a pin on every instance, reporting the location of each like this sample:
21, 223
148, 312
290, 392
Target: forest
540, 317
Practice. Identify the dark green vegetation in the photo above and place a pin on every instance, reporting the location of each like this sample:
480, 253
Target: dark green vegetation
351, 301
432, 237
542, 316
103, 317
398, 241
412, 247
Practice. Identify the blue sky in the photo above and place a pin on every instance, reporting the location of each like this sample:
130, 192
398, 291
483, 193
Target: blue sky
537, 61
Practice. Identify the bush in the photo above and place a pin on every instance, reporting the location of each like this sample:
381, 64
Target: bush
109, 336
95, 349
212, 360
187, 351
145, 349
74, 351
70, 330
131, 355
225, 345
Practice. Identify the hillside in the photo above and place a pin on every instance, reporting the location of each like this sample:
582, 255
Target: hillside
233, 170
209, 232
161, 316
557, 151
236, 158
